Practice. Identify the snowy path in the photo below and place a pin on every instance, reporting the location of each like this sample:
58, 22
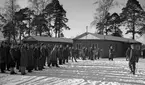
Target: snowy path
98, 72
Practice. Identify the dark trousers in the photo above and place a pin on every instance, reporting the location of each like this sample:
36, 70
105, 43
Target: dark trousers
132, 66
18, 64
35, 64
63, 61
74, 57
98, 56
67, 60
40, 64
54, 63
60, 61
111, 59
8, 66
43, 60
2, 67
111, 56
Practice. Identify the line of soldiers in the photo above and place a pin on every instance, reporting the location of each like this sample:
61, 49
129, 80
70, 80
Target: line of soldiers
91, 53
33, 57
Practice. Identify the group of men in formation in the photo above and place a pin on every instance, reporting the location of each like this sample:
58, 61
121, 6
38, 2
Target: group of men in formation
34, 56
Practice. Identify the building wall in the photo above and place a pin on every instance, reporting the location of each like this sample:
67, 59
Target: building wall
120, 48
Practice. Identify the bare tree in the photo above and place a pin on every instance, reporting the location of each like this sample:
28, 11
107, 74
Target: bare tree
102, 12
9, 29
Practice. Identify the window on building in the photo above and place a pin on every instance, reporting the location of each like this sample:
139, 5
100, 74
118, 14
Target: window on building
78, 45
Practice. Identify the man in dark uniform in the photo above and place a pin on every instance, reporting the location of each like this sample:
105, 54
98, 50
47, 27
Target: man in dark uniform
60, 52
30, 52
44, 56
133, 58
36, 55
7, 56
14, 57
19, 57
24, 59
48, 57
65, 54
2, 58
41, 58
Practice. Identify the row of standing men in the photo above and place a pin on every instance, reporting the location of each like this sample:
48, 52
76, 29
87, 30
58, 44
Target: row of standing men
33, 57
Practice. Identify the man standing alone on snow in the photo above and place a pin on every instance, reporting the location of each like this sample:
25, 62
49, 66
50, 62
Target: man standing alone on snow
133, 58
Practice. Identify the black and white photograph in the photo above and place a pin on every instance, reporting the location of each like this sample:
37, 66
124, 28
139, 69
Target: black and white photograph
72, 42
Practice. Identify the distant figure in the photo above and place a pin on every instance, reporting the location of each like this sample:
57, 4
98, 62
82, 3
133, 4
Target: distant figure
74, 54
99, 53
133, 58
91, 53
95, 53
111, 53
83, 53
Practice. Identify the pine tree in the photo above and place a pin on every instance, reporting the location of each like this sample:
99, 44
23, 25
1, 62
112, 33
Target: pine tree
57, 15
131, 15
10, 29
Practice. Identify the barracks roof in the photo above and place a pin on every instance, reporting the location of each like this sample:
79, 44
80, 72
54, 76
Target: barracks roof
47, 39
95, 36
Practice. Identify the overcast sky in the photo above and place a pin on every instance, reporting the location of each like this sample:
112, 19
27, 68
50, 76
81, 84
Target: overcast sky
79, 12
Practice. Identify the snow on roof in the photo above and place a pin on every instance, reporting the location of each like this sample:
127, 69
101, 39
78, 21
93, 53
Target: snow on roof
47, 39
90, 36
142, 39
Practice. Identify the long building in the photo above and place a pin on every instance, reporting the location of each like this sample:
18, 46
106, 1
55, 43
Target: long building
103, 42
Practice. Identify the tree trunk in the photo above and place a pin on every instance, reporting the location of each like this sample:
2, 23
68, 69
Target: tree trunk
20, 36
102, 32
115, 28
133, 26
106, 32
133, 33
29, 28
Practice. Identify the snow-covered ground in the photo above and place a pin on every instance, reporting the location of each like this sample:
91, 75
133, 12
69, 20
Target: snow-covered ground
98, 72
